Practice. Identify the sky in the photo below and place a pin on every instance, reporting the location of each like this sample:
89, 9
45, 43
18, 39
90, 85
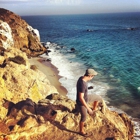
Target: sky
58, 7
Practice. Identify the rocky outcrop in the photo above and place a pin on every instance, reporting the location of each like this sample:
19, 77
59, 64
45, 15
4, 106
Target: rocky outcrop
6, 35
20, 80
14, 31
31, 108
56, 117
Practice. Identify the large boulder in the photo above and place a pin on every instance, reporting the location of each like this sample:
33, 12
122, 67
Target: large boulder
14, 31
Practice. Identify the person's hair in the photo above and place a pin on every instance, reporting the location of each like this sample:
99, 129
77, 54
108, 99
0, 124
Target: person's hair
88, 75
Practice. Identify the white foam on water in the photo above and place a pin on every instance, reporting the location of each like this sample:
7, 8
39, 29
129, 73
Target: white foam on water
71, 70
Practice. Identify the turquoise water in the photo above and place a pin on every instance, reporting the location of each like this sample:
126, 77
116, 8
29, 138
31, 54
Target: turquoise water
109, 43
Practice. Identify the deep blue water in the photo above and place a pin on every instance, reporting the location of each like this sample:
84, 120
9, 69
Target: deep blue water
109, 43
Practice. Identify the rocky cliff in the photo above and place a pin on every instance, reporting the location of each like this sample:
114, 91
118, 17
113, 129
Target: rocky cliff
31, 108
14, 31
56, 117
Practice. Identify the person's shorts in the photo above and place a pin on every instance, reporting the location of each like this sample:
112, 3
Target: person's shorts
83, 112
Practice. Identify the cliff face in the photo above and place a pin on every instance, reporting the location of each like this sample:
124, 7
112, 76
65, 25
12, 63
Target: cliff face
16, 32
20, 80
31, 108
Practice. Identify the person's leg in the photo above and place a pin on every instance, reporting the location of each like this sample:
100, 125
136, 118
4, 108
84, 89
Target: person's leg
83, 112
81, 125
95, 105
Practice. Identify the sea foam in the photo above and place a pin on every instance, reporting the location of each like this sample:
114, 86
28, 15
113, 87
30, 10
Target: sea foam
70, 69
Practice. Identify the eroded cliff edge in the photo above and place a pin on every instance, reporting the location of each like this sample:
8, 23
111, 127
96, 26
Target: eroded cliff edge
15, 32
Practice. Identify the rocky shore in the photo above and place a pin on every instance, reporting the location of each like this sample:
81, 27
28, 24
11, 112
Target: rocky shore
33, 104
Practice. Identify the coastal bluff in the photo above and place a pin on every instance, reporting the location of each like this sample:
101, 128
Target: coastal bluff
30, 107
15, 32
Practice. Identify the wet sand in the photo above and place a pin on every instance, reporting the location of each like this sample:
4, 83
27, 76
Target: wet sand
50, 71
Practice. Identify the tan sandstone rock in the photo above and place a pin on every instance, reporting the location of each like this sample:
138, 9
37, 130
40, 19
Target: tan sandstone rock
18, 81
14, 31
49, 120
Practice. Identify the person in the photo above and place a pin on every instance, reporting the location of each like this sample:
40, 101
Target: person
82, 97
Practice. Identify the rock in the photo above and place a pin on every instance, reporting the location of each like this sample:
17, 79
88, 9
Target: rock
132, 28
89, 30
72, 49
48, 51
52, 118
34, 31
6, 38
14, 31
18, 80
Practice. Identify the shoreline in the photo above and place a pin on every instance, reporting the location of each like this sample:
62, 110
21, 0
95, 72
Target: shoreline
53, 76
50, 71
59, 63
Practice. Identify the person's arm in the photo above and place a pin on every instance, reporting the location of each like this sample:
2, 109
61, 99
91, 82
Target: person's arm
81, 97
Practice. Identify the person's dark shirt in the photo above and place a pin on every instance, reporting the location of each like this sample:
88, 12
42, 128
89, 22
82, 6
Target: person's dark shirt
81, 88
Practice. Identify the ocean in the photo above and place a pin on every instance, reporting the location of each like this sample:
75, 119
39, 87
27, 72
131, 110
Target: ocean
109, 43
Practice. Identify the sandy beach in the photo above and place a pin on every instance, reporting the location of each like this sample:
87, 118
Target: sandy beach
50, 71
